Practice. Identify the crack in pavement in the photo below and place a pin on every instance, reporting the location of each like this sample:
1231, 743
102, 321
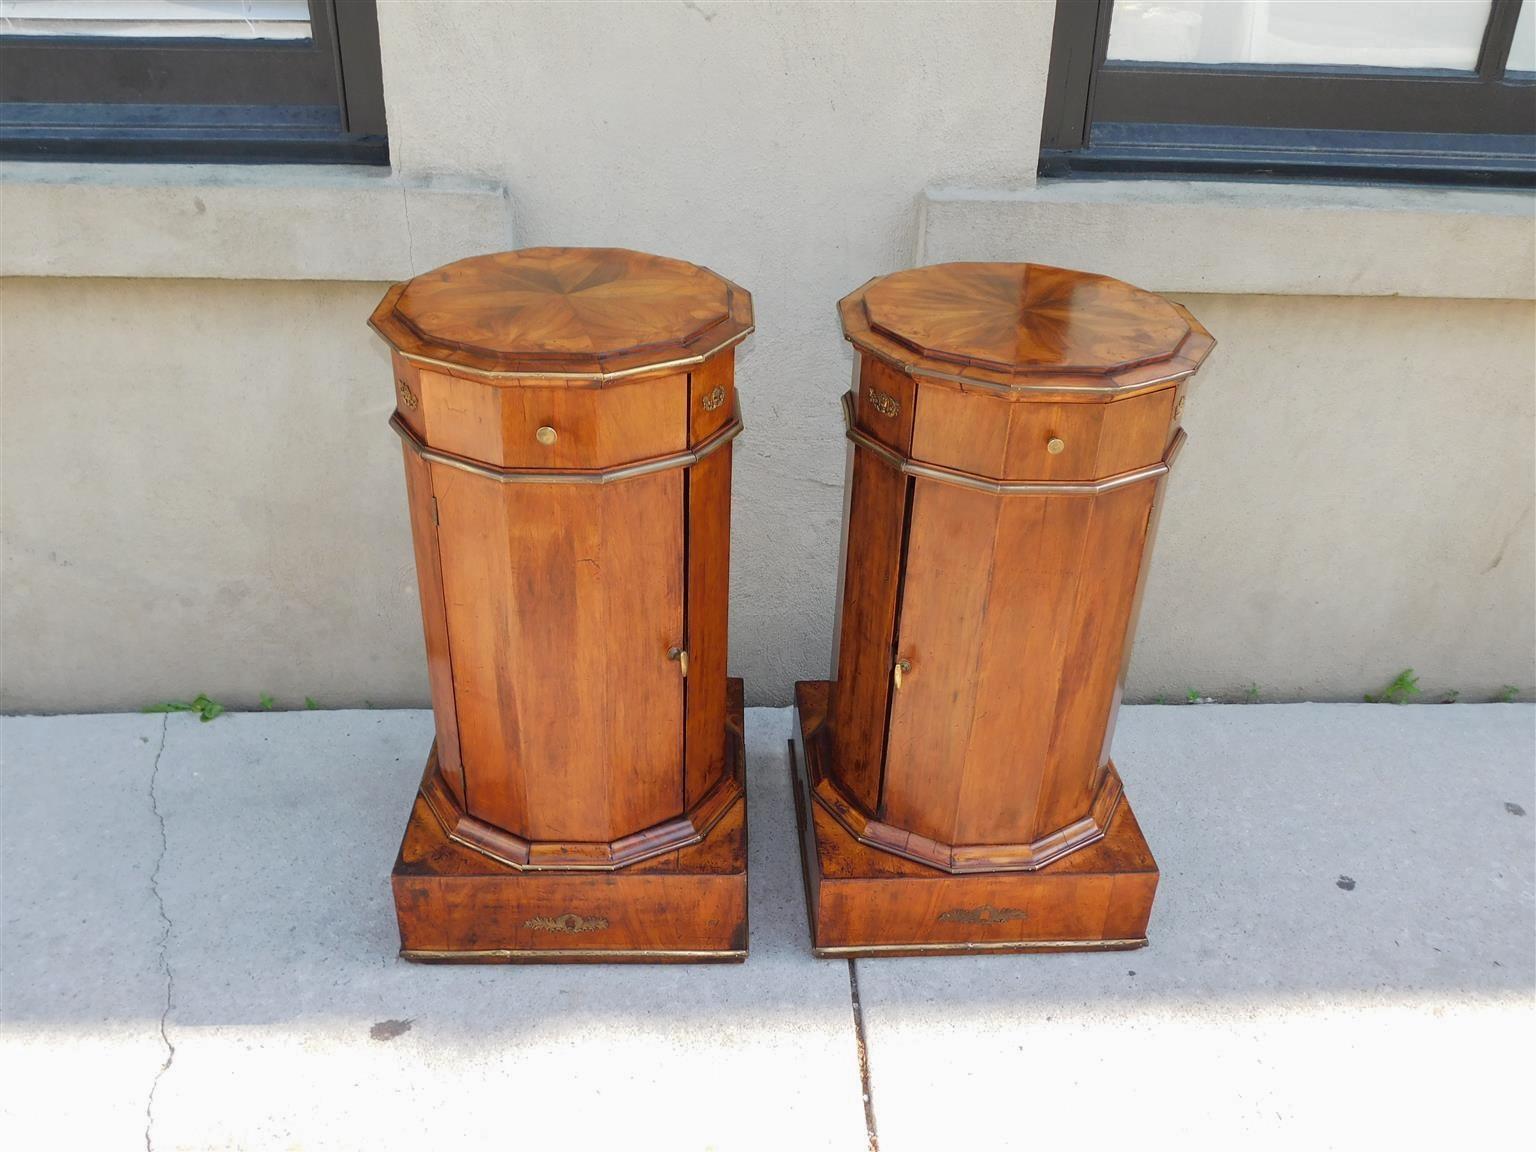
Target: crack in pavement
871, 1134
165, 940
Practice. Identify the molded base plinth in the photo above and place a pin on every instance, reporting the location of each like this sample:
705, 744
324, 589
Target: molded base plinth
865, 902
455, 905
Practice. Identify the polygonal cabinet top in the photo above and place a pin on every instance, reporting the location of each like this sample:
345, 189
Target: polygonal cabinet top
1024, 327
592, 313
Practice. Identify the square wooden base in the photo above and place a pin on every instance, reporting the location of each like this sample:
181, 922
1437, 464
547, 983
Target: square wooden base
865, 902
455, 905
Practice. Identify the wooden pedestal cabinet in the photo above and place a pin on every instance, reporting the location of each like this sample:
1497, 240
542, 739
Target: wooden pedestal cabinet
567, 416
1011, 428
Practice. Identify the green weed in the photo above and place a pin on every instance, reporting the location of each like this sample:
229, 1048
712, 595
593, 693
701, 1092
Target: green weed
1403, 688
205, 708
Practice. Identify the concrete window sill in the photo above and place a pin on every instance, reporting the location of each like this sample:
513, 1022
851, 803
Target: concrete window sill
236, 222
1244, 238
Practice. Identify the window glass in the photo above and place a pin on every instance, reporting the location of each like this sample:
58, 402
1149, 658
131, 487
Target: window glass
135, 19
1522, 53
1363, 33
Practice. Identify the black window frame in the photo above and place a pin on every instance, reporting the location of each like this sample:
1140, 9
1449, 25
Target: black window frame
192, 99
1308, 122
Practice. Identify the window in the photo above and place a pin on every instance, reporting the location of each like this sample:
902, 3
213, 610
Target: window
1424, 90
255, 81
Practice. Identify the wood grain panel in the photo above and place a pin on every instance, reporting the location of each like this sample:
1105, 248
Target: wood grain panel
963, 430
595, 427
1028, 329
1097, 630
455, 901
408, 394
866, 623
947, 579
429, 585
877, 388
1020, 684
456, 905
864, 901
640, 538
576, 312
462, 417
1029, 317
1135, 432
1005, 439
561, 603
709, 601
711, 396
1032, 426
1160, 488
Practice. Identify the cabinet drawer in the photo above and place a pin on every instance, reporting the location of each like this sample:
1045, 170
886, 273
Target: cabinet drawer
555, 428
1008, 438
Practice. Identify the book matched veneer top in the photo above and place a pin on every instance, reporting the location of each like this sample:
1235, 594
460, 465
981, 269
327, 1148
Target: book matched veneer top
593, 313
1024, 327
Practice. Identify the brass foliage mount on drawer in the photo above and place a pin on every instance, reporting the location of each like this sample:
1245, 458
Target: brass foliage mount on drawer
881, 402
713, 398
407, 397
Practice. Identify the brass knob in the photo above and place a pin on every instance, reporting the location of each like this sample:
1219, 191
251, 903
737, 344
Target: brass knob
546, 435
681, 656
1055, 445
903, 666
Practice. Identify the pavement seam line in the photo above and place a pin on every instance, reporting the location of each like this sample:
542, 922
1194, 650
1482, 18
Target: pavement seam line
872, 1136
165, 939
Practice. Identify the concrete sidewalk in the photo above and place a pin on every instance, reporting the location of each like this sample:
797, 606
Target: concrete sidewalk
199, 953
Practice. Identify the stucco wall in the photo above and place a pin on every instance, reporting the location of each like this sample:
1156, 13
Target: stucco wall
200, 494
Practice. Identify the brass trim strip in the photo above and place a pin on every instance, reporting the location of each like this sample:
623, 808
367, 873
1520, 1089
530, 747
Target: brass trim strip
1006, 487
714, 812
984, 946
1008, 389
687, 459
475, 846
570, 953
595, 377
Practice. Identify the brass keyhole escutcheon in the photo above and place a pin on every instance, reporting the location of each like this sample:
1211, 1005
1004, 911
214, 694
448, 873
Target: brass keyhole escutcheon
1055, 445
681, 656
546, 435
903, 666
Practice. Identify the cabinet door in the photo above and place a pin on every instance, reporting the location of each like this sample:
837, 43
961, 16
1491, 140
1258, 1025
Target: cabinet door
1014, 619
562, 601
941, 627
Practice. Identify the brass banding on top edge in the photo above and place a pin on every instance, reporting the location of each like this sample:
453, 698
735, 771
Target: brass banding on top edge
590, 377
1000, 389
686, 459
1005, 487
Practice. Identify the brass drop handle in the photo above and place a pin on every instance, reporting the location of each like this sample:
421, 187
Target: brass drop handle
546, 435
681, 656
903, 666
1055, 445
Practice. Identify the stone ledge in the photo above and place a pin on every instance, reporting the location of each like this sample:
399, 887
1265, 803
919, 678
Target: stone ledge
259, 222
1249, 238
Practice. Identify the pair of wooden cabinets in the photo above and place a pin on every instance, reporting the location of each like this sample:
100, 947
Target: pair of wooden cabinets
567, 415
